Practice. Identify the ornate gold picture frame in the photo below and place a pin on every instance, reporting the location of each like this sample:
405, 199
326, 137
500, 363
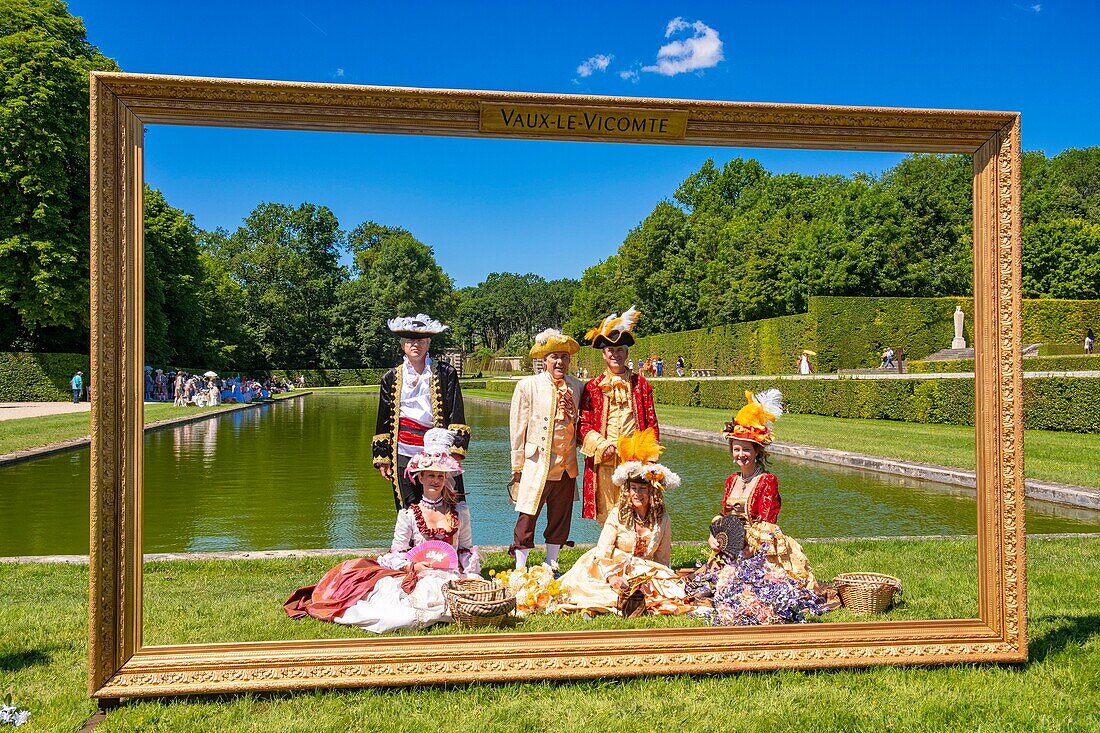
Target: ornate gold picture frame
119, 665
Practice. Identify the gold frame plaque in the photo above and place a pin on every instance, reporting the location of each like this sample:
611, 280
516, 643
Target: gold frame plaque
119, 665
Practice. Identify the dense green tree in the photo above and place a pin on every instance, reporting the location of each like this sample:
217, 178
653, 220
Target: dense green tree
935, 194
1066, 186
45, 59
602, 290
555, 302
740, 243
229, 344
505, 311
395, 274
1061, 259
654, 267
286, 260
175, 319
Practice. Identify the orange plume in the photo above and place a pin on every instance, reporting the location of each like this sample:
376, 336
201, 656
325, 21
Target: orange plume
641, 445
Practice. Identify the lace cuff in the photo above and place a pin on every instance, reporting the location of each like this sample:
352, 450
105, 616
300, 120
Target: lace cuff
393, 560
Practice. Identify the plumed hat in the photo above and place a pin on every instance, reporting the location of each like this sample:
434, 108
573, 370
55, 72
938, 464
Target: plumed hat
419, 326
436, 455
639, 452
551, 340
615, 330
753, 422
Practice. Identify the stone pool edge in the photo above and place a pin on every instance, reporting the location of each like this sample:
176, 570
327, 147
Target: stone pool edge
373, 551
20, 456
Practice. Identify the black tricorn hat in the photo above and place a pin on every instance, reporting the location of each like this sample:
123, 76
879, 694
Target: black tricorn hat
615, 330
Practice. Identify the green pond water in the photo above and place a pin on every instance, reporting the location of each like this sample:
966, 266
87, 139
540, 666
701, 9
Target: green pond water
298, 475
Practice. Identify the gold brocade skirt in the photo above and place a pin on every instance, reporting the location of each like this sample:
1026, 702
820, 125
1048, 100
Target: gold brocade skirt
588, 584
783, 551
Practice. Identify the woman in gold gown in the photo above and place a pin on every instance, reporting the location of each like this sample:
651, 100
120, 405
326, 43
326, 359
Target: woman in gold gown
633, 552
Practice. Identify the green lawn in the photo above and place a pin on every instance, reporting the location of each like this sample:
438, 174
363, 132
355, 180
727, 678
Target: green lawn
42, 660
1048, 455
170, 589
32, 432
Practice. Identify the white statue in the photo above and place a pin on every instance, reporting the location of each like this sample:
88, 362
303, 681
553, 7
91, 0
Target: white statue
959, 342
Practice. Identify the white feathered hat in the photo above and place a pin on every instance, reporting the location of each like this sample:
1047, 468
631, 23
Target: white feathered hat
551, 340
419, 326
640, 451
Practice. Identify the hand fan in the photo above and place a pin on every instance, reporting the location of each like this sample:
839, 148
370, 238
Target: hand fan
440, 555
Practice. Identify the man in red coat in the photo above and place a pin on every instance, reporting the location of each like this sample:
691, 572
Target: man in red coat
614, 404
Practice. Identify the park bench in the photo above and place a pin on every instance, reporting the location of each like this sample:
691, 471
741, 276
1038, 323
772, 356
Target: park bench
704, 372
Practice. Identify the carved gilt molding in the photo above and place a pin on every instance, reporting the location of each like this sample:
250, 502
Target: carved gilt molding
118, 664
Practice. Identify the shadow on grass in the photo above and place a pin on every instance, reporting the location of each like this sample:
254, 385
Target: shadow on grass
16, 661
1065, 631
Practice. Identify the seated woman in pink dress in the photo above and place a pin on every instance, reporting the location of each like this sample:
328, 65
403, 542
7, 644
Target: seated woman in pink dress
635, 545
432, 543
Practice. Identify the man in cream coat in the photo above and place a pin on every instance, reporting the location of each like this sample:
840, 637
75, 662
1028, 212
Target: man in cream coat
543, 429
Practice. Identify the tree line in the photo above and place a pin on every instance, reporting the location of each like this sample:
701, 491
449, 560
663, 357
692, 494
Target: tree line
738, 243
733, 243
271, 293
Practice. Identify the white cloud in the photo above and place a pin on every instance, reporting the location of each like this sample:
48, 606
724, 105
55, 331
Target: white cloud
702, 51
629, 75
676, 24
339, 73
1037, 7
599, 62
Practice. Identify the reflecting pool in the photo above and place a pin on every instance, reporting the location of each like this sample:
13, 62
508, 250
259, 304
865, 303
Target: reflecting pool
298, 474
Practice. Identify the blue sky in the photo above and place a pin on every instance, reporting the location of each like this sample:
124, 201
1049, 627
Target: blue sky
554, 207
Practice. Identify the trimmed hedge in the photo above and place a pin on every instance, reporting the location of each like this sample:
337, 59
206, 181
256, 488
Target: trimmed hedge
504, 386
1062, 349
1049, 321
328, 377
1069, 404
853, 332
1077, 363
28, 377
767, 346
846, 333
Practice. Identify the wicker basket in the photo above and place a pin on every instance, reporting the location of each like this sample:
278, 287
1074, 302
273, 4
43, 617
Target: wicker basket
867, 593
477, 602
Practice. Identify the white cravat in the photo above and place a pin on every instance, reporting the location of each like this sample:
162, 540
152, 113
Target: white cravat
416, 399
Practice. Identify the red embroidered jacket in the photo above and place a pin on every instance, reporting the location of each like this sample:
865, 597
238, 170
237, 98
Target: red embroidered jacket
593, 417
763, 501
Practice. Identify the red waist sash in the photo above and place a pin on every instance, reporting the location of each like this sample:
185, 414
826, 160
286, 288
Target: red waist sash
410, 432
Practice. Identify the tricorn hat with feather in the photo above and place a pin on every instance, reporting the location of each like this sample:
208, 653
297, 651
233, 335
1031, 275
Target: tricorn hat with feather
615, 330
552, 340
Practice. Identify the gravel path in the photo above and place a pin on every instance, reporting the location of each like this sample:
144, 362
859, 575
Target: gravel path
14, 410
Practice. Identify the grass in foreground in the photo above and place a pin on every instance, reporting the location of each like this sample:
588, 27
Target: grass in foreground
1048, 455
42, 653
251, 592
32, 432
